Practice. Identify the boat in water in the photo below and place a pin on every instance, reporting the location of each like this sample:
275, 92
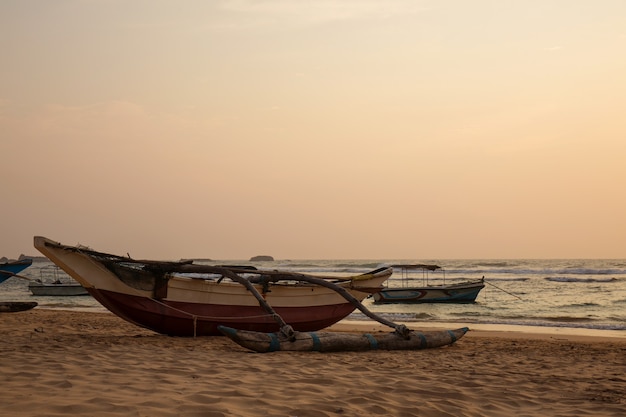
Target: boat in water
56, 289
54, 282
12, 268
186, 299
409, 288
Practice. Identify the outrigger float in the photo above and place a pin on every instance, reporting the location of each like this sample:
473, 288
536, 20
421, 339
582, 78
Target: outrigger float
341, 342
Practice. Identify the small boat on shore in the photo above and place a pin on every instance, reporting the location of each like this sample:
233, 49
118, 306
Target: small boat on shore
341, 342
11, 268
410, 289
187, 299
15, 306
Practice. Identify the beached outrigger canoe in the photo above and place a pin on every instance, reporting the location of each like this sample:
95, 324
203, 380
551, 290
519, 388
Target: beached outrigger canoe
187, 299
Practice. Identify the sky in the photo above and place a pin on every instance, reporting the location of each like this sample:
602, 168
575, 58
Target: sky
355, 129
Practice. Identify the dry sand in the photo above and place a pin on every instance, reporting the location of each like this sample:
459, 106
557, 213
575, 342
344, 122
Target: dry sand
62, 363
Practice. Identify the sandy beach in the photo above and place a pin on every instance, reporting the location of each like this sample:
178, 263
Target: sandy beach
60, 363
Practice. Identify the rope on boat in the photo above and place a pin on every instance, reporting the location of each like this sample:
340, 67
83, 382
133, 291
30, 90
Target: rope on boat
511, 294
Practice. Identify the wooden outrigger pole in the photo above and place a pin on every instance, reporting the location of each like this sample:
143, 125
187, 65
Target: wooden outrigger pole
401, 329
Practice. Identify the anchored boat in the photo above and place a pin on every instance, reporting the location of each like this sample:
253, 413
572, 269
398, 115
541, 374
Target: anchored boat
56, 289
56, 283
410, 288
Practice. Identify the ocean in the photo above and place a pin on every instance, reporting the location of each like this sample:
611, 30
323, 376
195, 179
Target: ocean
569, 293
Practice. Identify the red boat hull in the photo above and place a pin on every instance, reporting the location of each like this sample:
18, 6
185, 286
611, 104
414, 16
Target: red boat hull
192, 319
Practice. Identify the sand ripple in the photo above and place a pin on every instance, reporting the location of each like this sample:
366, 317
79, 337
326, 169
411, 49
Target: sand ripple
59, 363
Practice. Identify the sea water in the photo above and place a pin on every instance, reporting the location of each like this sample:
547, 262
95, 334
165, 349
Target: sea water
572, 293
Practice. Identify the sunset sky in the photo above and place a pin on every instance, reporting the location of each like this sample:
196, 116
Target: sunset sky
354, 129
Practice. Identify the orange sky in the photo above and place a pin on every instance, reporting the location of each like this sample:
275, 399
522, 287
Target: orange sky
357, 129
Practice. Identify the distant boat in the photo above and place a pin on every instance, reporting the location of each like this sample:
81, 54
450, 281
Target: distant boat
407, 288
9, 269
187, 299
56, 288
15, 306
56, 283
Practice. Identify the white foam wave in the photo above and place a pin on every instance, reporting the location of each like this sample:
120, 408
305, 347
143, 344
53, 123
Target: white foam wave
585, 280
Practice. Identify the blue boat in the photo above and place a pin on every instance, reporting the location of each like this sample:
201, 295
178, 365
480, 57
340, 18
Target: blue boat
8, 269
406, 290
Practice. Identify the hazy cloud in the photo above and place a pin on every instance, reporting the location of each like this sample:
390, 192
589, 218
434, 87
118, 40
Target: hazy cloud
316, 12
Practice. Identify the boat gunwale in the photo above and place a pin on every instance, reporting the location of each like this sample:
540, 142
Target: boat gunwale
188, 267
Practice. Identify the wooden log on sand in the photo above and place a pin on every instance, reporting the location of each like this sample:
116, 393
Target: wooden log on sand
341, 342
